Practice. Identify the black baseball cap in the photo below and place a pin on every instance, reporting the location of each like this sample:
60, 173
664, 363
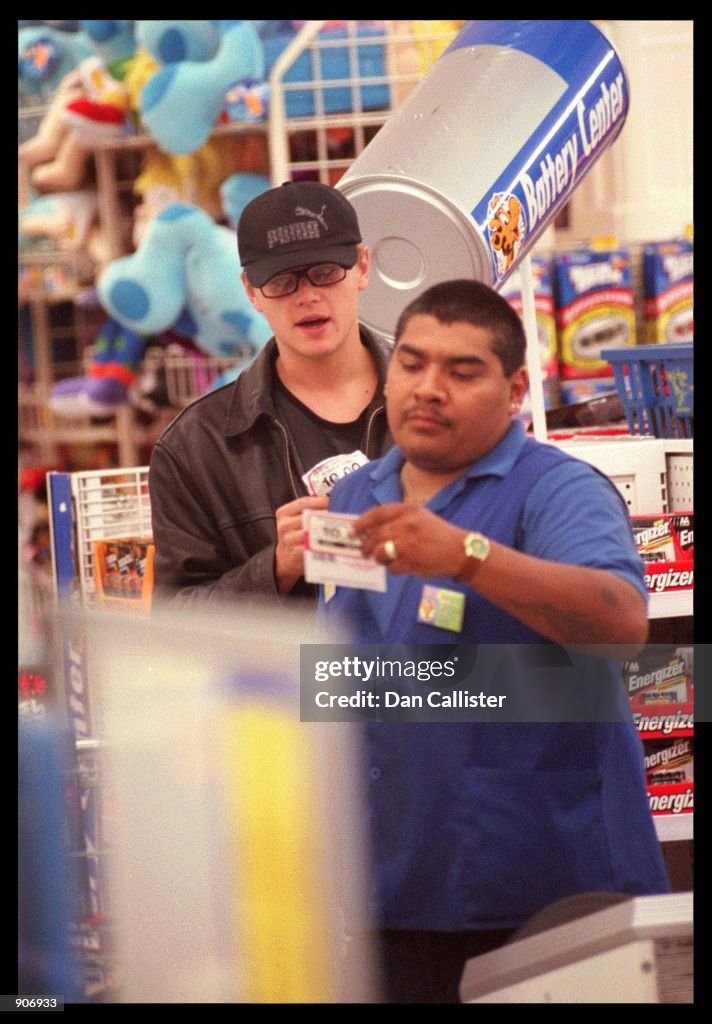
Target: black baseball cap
296, 224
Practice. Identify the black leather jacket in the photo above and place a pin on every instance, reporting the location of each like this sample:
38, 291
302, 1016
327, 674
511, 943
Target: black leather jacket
217, 474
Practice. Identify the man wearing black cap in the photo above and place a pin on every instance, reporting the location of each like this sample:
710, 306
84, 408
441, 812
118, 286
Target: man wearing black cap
230, 476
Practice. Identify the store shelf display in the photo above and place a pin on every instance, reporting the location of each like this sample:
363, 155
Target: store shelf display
660, 686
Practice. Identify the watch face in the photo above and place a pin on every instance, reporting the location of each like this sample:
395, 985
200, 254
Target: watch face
476, 546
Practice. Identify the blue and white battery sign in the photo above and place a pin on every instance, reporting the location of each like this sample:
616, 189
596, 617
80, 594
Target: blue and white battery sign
470, 170
585, 119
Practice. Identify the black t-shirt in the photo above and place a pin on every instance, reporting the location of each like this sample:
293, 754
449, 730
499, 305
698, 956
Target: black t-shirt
313, 438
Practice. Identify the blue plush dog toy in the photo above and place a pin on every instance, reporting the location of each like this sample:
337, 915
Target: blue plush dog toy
180, 104
185, 276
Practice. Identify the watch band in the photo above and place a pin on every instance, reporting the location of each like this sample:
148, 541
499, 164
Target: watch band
477, 549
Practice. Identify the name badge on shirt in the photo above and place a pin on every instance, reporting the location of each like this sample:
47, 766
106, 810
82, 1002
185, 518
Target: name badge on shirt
442, 608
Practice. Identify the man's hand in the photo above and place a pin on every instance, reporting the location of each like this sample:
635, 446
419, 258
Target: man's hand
425, 544
569, 604
289, 553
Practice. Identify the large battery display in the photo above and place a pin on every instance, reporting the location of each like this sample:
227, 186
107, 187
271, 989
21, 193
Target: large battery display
471, 169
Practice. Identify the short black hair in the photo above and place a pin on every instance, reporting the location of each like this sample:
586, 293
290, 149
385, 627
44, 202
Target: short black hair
475, 303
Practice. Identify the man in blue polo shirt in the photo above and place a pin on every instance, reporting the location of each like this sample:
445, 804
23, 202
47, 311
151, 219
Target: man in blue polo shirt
490, 537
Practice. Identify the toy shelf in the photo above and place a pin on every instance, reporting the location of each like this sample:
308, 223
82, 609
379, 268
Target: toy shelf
142, 140
106, 160
188, 376
39, 426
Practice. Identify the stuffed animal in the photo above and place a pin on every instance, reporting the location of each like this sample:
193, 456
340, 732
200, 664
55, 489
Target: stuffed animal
45, 56
170, 42
183, 282
117, 355
46, 143
71, 220
88, 105
101, 111
114, 42
65, 217
185, 276
181, 103
237, 190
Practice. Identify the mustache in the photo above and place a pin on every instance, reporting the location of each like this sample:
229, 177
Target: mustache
428, 412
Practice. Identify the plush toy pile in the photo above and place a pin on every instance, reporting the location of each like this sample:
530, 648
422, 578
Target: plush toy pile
175, 80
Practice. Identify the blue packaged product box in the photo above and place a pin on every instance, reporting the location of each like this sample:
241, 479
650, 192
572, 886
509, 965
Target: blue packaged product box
595, 309
582, 389
668, 292
511, 290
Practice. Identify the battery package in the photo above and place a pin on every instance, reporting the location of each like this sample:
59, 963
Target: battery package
668, 285
669, 761
666, 543
595, 309
660, 686
660, 678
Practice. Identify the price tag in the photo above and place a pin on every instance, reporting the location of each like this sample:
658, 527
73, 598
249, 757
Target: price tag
321, 478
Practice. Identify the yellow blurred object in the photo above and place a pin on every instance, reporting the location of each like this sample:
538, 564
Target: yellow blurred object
279, 907
412, 48
189, 178
432, 38
141, 67
602, 243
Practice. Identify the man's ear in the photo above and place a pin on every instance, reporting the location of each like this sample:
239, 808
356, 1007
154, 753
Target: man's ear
518, 385
364, 264
252, 293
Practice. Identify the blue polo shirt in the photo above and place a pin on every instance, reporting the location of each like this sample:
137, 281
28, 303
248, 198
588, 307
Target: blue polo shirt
477, 825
